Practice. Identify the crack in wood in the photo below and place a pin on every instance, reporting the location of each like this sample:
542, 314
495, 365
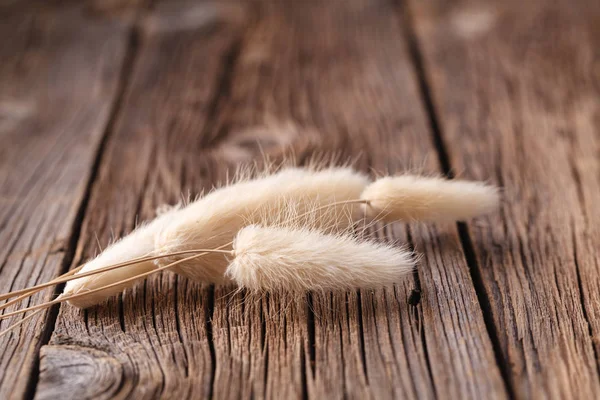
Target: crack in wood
121, 312
485, 305
414, 300
582, 297
263, 337
178, 322
310, 325
71, 247
446, 167
361, 334
209, 311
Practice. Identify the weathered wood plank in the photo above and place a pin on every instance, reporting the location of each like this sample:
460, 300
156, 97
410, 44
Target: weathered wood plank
351, 89
59, 78
515, 87
337, 76
155, 333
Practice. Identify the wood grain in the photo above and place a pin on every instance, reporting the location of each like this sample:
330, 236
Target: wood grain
156, 332
337, 76
515, 88
59, 79
215, 84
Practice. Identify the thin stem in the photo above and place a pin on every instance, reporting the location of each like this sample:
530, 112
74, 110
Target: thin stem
63, 279
28, 292
21, 322
63, 298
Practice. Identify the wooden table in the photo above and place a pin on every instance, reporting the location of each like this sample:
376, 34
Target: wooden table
110, 109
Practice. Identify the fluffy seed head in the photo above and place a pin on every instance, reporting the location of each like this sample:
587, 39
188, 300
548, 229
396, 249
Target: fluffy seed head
213, 220
302, 259
139, 243
410, 197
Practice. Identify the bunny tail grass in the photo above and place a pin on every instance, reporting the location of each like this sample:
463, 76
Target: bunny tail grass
90, 294
303, 259
138, 244
73, 275
30, 291
410, 197
87, 298
214, 219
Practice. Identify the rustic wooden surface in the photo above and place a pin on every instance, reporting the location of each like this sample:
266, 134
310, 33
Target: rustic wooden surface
111, 109
59, 79
516, 94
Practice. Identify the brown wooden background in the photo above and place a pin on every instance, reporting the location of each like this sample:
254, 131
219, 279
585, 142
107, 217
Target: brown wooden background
109, 109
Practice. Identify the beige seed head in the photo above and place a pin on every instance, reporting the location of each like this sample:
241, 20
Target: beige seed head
295, 197
409, 197
138, 243
213, 220
302, 259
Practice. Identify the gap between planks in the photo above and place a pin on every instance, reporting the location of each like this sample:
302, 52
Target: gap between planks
437, 138
125, 76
